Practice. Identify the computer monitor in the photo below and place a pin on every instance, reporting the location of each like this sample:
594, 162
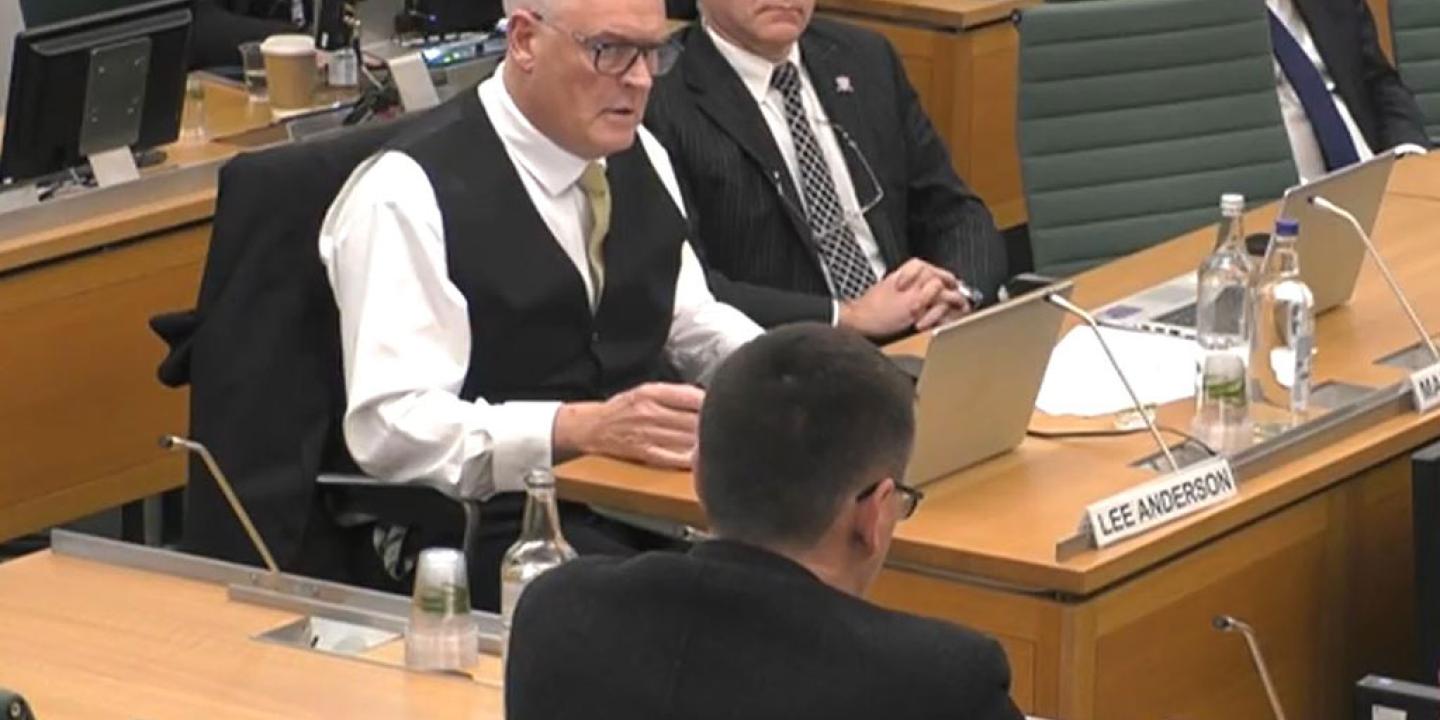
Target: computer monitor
94, 85
442, 17
1381, 698
48, 12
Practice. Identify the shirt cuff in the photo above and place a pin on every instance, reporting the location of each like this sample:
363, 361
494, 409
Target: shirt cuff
1404, 149
522, 442
834, 313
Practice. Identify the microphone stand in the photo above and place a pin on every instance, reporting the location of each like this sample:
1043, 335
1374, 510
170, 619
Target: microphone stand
1226, 623
170, 442
1063, 303
1329, 207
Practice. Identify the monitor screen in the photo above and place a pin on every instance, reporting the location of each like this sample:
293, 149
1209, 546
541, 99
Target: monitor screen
451, 16
92, 84
45, 12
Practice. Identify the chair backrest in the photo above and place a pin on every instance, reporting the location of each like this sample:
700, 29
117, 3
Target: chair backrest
1416, 27
264, 365
1425, 498
1136, 115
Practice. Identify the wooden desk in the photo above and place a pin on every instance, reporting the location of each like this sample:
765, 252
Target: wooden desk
83, 640
81, 405
1417, 178
962, 57
1316, 553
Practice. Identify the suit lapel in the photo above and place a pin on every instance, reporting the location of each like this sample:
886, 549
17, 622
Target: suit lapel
843, 102
721, 96
1316, 17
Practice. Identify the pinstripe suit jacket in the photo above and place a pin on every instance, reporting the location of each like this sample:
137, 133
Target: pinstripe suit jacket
757, 247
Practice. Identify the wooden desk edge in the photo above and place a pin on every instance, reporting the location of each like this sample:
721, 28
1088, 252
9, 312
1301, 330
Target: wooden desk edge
946, 17
107, 229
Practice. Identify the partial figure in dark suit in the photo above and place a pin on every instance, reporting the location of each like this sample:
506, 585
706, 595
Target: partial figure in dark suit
819, 189
222, 25
1341, 98
803, 435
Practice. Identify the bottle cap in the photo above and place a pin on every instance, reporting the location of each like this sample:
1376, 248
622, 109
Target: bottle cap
1232, 203
1287, 227
539, 478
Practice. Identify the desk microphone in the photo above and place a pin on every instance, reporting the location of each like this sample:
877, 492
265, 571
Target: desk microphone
170, 442
1226, 623
1330, 207
13, 707
1061, 302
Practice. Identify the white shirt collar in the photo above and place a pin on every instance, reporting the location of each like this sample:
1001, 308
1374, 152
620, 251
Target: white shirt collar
555, 168
754, 71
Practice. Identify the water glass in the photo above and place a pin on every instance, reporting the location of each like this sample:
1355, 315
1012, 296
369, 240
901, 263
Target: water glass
442, 634
192, 118
253, 62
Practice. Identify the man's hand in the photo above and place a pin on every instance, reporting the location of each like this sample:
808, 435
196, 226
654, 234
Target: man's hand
918, 295
653, 423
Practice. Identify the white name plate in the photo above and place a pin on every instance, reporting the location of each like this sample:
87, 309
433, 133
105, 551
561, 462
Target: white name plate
1161, 500
1425, 386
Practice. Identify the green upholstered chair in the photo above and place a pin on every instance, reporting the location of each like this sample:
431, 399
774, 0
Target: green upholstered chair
1135, 115
1416, 25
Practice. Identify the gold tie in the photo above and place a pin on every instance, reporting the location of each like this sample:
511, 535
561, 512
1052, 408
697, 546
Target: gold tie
597, 191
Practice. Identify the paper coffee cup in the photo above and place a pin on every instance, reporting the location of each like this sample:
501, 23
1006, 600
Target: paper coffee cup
290, 70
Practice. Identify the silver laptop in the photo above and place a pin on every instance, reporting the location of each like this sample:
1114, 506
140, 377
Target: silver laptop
978, 383
1330, 254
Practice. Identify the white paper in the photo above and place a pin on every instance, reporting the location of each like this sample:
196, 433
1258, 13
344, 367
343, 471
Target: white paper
1380, 712
1080, 380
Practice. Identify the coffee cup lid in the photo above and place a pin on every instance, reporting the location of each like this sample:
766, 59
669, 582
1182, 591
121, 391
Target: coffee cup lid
288, 44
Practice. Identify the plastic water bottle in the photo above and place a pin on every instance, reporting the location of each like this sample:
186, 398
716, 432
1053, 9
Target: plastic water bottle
1222, 327
539, 548
1283, 347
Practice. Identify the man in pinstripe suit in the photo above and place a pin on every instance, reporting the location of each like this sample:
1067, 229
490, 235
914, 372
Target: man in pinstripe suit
818, 189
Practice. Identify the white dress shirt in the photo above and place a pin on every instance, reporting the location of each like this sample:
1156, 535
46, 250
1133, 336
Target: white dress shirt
1309, 162
755, 72
405, 328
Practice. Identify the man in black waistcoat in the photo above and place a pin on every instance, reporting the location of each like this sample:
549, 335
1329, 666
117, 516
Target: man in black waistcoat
819, 189
512, 278
802, 438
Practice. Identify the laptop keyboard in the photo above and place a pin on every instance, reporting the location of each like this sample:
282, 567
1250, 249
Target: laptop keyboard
1180, 317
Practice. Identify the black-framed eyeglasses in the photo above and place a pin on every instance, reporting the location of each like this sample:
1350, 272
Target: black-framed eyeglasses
910, 497
615, 57
849, 217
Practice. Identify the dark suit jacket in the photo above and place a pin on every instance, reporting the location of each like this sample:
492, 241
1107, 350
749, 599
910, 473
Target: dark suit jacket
732, 631
757, 247
221, 25
261, 353
1385, 110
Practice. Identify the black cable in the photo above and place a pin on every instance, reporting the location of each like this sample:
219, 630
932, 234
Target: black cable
1062, 434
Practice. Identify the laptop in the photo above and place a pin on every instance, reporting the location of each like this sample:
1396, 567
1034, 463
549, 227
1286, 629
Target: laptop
978, 383
1330, 254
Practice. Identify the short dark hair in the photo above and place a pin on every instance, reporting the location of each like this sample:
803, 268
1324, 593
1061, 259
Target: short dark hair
794, 424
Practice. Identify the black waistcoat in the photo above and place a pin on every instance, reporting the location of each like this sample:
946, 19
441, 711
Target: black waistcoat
534, 336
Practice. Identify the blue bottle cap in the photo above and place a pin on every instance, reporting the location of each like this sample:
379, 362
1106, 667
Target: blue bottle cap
1287, 226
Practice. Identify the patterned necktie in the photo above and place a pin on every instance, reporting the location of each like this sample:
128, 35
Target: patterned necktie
850, 272
1336, 146
597, 190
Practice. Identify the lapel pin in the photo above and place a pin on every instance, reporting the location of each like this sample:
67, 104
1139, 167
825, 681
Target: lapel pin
843, 85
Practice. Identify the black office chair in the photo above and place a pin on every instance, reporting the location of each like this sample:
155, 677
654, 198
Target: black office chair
261, 354
1425, 497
